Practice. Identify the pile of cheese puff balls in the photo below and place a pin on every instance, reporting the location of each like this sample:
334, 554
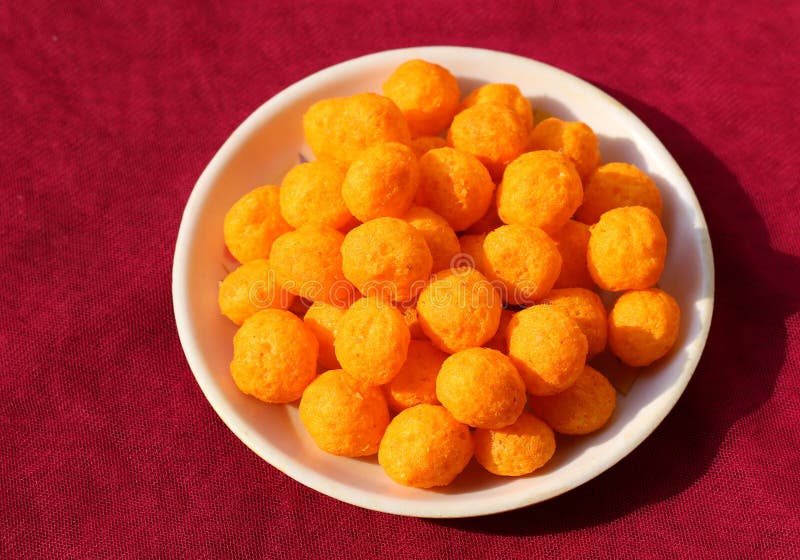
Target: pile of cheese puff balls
427, 285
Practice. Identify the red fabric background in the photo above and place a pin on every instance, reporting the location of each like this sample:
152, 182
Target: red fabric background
110, 111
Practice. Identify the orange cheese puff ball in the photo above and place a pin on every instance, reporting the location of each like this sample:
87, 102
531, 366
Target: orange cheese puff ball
498, 341
507, 95
615, 185
523, 260
416, 382
372, 341
572, 241
587, 309
424, 446
341, 128
548, 348
493, 133
516, 450
574, 139
253, 223
438, 234
274, 356
387, 257
472, 254
627, 249
488, 221
582, 408
342, 416
250, 288
481, 388
459, 309
426, 93
308, 262
412, 320
456, 186
311, 193
323, 320
643, 326
539, 189
422, 144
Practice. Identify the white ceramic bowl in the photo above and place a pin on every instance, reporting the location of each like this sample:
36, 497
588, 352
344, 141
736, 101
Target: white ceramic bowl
266, 145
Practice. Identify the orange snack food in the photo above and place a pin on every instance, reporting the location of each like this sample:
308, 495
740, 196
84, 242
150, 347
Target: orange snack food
548, 348
438, 234
311, 194
323, 320
274, 356
576, 140
422, 144
498, 341
412, 320
426, 93
643, 326
387, 257
627, 249
424, 446
481, 388
489, 221
472, 254
416, 382
372, 341
455, 185
587, 310
250, 288
515, 450
507, 95
615, 185
582, 408
539, 189
253, 223
572, 241
342, 416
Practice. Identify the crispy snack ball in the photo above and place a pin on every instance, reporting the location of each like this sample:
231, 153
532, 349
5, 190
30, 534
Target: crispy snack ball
438, 234
323, 320
422, 144
308, 262
572, 241
498, 341
341, 128
516, 450
387, 257
643, 326
627, 249
587, 309
472, 254
424, 446
426, 93
343, 416
250, 288
455, 185
582, 408
416, 382
548, 348
507, 95
539, 189
481, 388
574, 139
615, 185
372, 341
311, 194
253, 223
459, 309
274, 356
523, 260
382, 181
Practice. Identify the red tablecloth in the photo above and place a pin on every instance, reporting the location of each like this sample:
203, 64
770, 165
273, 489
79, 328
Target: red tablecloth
109, 113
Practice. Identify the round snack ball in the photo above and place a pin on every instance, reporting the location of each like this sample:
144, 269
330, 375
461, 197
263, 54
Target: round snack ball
342, 416
424, 446
438, 234
422, 144
372, 341
587, 310
493, 133
574, 139
582, 408
416, 382
308, 262
455, 185
426, 93
250, 288
459, 309
516, 450
572, 241
472, 254
323, 320
627, 249
487, 223
548, 348
274, 356
539, 189
382, 181
253, 223
387, 257
311, 194
481, 388
341, 128
507, 95
498, 341
643, 326
523, 260
615, 185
